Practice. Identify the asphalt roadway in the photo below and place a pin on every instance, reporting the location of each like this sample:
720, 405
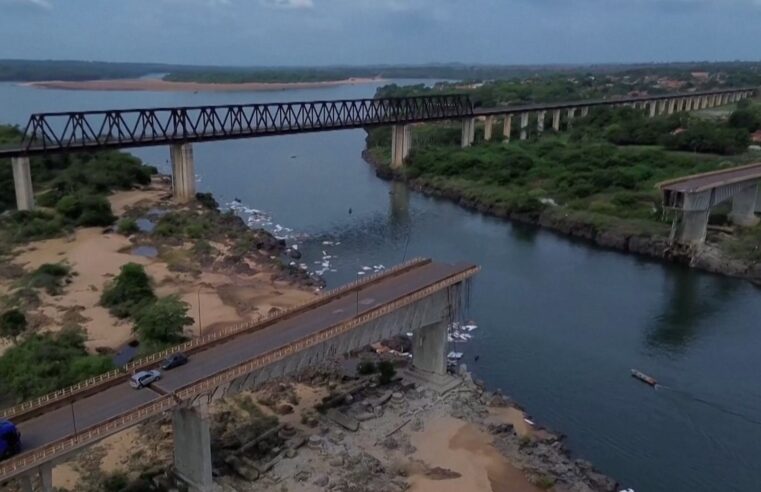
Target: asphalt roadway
701, 182
116, 400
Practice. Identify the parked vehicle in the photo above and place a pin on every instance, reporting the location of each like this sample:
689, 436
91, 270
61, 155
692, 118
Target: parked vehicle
144, 378
174, 360
10, 439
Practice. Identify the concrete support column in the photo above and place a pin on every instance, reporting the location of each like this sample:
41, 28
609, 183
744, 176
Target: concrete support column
488, 123
704, 102
744, 207
22, 181
653, 108
556, 120
584, 111
570, 115
192, 447
540, 121
401, 142
507, 127
692, 227
429, 348
524, 126
671, 105
183, 172
468, 132
39, 479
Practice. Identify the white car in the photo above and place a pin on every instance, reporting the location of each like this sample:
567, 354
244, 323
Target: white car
144, 378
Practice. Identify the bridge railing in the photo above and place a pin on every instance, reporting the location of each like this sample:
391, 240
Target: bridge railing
29, 460
200, 343
130, 127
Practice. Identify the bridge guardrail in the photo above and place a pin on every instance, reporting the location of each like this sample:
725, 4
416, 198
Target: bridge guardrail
31, 459
36, 404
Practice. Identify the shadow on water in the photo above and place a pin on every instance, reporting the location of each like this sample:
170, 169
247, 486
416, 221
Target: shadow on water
524, 233
688, 304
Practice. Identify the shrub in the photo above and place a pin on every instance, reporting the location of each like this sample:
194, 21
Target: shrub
129, 292
88, 211
46, 362
49, 276
127, 226
162, 323
12, 324
207, 200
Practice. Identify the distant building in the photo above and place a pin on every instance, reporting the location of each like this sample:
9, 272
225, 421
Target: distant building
671, 84
701, 75
756, 136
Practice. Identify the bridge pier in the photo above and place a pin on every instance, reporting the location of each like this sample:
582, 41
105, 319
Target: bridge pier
183, 172
507, 127
524, 126
429, 348
653, 108
584, 111
22, 181
38, 480
556, 120
488, 123
570, 115
540, 121
401, 143
692, 227
744, 207
468, 132
192, 447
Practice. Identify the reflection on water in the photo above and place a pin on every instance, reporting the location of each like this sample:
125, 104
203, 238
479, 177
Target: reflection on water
690, 300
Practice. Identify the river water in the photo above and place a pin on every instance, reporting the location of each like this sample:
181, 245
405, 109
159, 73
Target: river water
560, 322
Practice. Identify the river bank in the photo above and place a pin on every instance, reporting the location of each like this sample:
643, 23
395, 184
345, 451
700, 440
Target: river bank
605, 232
170, 86
384, 438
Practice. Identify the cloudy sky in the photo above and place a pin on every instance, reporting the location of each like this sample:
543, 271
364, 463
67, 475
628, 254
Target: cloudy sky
320, 32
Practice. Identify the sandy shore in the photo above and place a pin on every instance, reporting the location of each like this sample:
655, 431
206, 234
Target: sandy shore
168, 86
95, 257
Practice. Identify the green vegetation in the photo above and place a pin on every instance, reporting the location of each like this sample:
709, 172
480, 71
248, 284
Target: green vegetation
127, 226
42, 363
366, 367
49, 276
12, 324
161, 324
129, 293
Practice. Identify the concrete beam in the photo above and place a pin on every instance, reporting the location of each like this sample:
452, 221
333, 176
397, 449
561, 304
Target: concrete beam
507, 127
22, 181
468, 132
524, 126
744, 207
192, 447
556, 120
401, 143
183, 172
429, 348
488, 123
540, 121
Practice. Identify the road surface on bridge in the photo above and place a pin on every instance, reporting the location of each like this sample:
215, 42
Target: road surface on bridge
705, 181
115, 400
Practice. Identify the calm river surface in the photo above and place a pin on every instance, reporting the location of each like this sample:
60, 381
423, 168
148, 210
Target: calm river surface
561, 323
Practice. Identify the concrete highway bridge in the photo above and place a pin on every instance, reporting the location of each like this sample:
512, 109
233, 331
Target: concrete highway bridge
420, 296
693, 197
180, 127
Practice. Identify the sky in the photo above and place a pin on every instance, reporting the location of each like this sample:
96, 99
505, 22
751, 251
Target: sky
357, 32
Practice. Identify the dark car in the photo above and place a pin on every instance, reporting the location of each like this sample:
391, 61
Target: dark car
174, 360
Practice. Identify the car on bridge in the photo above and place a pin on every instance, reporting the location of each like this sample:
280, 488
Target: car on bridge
144, 378
174, 360
10, 439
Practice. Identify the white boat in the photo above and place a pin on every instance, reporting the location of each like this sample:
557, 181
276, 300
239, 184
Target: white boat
454, 355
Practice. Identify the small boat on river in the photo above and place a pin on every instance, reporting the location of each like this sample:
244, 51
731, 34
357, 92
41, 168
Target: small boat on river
644, 378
